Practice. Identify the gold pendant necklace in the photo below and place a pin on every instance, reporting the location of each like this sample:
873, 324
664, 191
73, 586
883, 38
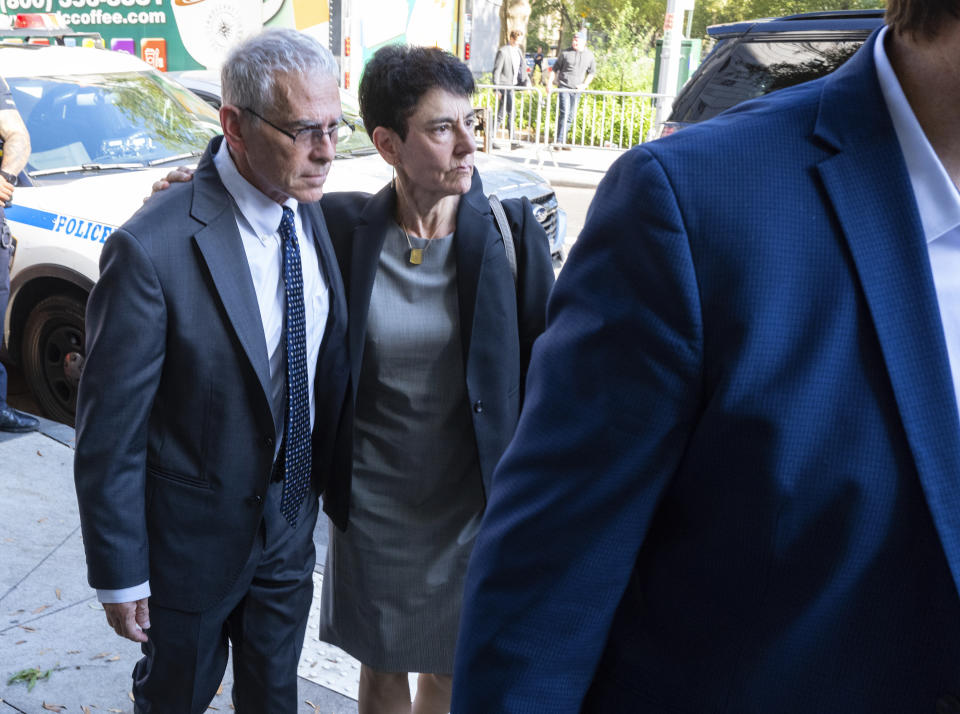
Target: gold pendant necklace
415, 256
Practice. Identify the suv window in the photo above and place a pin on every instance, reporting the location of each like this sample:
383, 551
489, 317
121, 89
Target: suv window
744, 70
756, 57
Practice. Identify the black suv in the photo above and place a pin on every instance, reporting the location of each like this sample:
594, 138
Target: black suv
760, 56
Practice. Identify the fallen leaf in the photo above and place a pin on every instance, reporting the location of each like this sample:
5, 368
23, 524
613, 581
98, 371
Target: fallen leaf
94, 605
73, 651
41, 520
38, 453
57, 591
100, 656
27, 628
29, 677
113, 659
86, 709
19, 642
53, 707
213, 708
220, 689
40, 609
130, 694
116, 711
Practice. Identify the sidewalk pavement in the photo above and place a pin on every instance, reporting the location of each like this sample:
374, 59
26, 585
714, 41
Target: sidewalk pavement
580, 167
50, 620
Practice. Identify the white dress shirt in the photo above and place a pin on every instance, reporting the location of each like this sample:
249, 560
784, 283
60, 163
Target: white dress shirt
938, 202
258, 219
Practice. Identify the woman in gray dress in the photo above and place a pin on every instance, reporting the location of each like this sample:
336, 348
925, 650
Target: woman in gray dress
440, 337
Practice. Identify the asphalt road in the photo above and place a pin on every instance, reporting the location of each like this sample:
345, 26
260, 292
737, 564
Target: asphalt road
575, 202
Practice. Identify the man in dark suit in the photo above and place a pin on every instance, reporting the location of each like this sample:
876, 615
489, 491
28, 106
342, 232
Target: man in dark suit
211, 402
735, 486
509, 69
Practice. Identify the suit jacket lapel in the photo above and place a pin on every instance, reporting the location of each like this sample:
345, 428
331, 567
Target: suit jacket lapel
368, 238
222, 249
473, 237
882, 227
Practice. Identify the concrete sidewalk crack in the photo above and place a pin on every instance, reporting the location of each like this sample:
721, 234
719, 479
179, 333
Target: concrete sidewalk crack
47, 613
42, 561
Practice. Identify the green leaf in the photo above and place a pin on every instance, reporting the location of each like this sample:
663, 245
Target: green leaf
30, 677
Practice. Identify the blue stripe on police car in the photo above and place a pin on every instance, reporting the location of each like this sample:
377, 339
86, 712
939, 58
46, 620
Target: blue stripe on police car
57, 223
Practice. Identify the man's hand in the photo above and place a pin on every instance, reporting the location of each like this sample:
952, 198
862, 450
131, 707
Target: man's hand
181, 174
6, 190
129, 619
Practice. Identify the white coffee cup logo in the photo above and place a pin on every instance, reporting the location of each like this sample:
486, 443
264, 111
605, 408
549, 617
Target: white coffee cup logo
209, 28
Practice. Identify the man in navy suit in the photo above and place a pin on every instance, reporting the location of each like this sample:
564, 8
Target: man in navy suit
735, 486
211, 403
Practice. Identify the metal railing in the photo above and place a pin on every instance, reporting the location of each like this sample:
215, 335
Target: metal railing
610, 120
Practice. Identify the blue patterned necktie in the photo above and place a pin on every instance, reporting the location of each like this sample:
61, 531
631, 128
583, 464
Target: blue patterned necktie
296, 480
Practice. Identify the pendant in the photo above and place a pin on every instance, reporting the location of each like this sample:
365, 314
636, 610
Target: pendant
415, 256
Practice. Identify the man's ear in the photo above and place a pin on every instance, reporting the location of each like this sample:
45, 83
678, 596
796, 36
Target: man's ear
388, 143
230, 122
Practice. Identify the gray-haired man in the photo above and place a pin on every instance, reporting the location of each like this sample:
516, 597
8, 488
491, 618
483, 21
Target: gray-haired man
212, 395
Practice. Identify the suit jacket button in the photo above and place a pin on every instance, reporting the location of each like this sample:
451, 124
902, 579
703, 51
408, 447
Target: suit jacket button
948, 704
478, 406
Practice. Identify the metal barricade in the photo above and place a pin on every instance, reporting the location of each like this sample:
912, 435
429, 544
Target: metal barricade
599, 119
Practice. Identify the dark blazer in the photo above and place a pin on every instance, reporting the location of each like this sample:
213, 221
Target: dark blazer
735, 486
175, 432
499, 321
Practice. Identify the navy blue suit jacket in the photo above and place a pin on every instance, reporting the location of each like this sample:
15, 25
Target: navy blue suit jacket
735, 485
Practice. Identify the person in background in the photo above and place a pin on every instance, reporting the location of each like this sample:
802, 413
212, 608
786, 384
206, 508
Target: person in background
440, 337
509, 68
15, 144
735, 486
210, 408
538, 64
574, 69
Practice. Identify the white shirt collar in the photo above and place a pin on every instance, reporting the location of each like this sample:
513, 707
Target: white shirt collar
938, 200
261, 212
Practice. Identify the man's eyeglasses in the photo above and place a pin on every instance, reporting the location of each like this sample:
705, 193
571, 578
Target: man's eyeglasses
310, 135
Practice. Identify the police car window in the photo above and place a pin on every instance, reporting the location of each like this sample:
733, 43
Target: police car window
752, 69
107, 119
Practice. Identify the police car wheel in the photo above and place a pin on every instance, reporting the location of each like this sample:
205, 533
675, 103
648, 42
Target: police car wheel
53, 344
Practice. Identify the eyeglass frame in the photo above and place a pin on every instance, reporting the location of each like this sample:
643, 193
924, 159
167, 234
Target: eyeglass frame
313, 130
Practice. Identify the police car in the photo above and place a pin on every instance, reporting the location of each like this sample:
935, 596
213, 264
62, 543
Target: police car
103, 127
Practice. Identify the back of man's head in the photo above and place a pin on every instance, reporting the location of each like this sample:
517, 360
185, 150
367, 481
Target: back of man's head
251, 70
920, 18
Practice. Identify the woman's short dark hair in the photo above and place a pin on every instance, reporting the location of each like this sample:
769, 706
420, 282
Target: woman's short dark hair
398, 76
920, 18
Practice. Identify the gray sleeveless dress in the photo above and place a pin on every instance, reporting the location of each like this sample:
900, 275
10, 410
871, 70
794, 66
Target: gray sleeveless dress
394, 580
